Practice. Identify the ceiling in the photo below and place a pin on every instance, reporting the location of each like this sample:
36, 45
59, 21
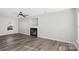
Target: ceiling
11, 12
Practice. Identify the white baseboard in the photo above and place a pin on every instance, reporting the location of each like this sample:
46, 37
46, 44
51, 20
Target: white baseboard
7, 34
66, 41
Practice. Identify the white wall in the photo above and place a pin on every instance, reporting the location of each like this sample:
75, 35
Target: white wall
4, 23
77, 27
58, 25
24, 25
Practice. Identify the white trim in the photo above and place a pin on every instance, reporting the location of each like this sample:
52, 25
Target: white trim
66, 41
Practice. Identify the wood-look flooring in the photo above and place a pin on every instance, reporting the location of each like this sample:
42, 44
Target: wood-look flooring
21, 42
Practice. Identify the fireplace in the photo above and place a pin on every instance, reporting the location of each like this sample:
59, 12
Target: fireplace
33, 32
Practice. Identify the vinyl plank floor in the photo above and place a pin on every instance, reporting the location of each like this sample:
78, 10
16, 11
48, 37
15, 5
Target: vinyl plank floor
21, 42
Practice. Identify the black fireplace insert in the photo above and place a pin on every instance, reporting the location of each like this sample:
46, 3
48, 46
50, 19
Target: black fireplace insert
33, 32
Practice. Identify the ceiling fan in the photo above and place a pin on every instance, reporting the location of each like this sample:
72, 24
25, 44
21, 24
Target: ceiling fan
21, 14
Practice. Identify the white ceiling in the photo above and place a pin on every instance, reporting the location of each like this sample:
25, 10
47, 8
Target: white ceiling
30, 11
